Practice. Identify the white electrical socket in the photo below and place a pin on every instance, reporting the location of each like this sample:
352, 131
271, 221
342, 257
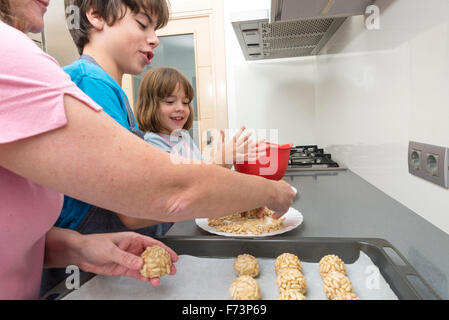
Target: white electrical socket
415, 159
429, 162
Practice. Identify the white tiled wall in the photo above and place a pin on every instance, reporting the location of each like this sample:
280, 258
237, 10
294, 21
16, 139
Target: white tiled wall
377, 90
364, 98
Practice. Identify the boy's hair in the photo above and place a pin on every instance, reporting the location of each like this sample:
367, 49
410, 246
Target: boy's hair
112, 11
156, 85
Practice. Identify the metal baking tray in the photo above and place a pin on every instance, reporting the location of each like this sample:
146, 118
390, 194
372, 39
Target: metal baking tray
403, 279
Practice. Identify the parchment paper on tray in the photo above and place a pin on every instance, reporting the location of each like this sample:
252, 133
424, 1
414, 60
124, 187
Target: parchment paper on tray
209, 279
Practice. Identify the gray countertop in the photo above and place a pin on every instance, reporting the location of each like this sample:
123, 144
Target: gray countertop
341, 204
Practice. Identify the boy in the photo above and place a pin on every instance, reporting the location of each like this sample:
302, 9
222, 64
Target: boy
114, 38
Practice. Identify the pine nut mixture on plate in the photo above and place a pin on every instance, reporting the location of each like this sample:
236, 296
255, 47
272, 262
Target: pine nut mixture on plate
248, 223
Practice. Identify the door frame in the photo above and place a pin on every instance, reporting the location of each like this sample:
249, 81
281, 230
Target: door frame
203, 19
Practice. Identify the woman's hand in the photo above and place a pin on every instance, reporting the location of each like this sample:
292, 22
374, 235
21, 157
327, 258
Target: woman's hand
259, 213
109, 254
118, 254
283, 198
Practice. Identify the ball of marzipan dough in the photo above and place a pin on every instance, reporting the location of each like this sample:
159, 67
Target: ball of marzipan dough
291, 279
246, 265
331, 263
337, 286
156, 262
287, 261
244, 288
347, 296
291, 295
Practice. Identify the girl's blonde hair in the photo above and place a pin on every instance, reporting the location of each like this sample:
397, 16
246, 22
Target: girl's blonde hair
156, 85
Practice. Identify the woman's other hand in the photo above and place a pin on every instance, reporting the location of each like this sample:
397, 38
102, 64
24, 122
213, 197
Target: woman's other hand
118, 254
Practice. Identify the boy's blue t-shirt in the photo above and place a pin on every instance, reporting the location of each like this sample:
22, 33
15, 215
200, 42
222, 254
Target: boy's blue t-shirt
105, 91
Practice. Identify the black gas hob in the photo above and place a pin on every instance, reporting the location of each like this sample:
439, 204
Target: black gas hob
308, 158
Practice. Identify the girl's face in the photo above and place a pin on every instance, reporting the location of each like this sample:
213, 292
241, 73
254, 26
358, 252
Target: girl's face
31, 12
174, 111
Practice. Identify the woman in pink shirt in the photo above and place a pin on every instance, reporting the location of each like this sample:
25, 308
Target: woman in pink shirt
45, 120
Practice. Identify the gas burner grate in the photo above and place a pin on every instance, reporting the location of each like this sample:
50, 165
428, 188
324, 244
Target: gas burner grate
310, 156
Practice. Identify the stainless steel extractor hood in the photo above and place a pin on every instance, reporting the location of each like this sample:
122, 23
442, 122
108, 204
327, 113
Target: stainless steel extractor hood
295, 28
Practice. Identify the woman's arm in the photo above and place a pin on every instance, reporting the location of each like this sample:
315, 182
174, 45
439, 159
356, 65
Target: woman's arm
136, 223
95, 160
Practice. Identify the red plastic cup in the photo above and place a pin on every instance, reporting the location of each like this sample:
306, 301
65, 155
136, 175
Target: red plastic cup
272, 166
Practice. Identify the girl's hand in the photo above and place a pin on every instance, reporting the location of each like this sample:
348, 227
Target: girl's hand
239, 149
245, 149
118, 254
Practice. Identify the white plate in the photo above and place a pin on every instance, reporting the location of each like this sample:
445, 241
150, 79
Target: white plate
294, 189
293, 218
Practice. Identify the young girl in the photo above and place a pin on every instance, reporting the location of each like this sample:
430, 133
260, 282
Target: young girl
165, 113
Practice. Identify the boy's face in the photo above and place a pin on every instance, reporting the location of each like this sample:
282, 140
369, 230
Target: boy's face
174, 111
131, 41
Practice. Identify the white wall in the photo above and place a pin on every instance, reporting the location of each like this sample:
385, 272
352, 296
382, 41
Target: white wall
59, 42
364, 98
268, 95
377, 90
